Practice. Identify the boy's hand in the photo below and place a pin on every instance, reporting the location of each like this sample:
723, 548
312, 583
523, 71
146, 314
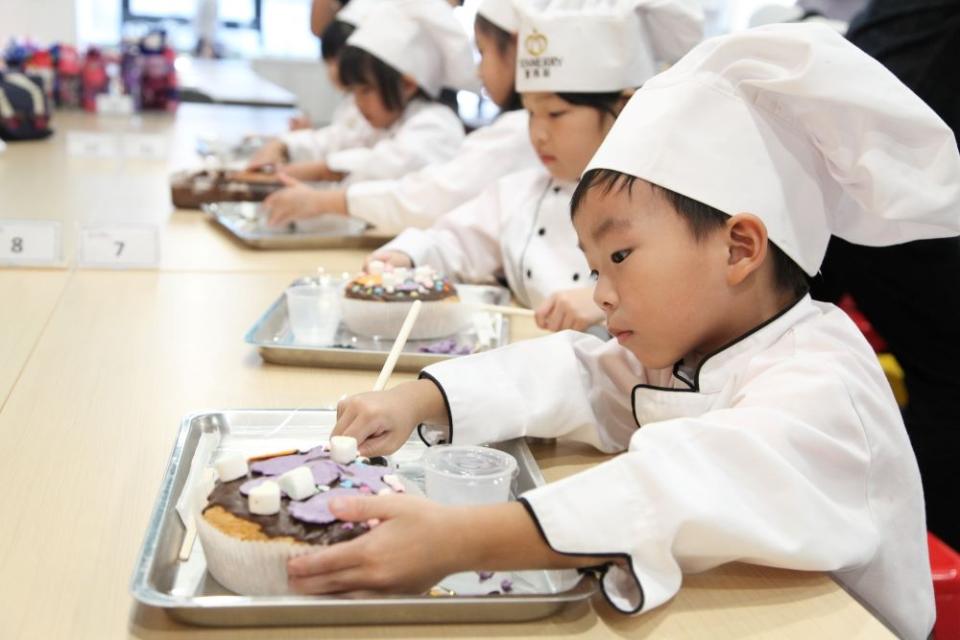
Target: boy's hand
295, 201
570, 309
409, 551
394, 258
382, 421
273, 152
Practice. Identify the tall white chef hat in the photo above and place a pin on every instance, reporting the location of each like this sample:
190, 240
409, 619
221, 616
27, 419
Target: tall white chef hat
594, 46
502, 13
356, 11
421, 38
797, 126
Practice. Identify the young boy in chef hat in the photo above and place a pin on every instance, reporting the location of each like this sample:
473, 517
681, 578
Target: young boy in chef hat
395, 64
418, 198
755, 424
576, 62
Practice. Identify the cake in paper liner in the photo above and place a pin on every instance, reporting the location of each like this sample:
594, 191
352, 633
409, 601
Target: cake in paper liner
247, 552
375, 304
248, 567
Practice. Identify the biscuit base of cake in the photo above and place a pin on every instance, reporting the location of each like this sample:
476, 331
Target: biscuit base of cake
243, 562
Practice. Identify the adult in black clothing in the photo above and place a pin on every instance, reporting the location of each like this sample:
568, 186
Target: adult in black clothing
911, 292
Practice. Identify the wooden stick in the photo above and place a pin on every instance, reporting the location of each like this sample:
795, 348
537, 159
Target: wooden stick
498, 308
401, 340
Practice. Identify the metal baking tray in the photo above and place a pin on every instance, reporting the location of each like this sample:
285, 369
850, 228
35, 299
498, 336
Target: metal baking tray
188, 593
247, 222
272, 337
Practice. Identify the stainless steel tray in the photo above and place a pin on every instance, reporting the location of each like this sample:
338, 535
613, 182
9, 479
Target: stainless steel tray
272, 336
246, 222
189, 594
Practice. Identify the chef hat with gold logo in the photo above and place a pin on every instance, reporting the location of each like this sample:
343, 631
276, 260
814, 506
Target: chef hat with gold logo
597, 46
797, 126
422, 39
502, 13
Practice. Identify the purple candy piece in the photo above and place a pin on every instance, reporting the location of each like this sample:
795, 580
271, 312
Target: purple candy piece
317, 508
506, 585
325, 471
368, 474
280, 465
484, 575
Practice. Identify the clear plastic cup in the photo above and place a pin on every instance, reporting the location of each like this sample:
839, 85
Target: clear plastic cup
314, 312
468, 475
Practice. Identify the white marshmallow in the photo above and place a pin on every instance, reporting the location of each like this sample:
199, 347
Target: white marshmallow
424, 272
375, 267
389, 279
264, 499
298, 483
231, 466
394, 483
343, 449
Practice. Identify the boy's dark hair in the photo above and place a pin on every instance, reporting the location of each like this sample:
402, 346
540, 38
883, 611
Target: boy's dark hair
700, 218
502, 39
605, 103
358, 67
334, 39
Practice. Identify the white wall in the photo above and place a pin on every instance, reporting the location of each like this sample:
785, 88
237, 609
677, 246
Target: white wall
44, 21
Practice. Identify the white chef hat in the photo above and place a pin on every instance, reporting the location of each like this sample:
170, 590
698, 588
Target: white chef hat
356, 11
421, 38
594, 46
502, 13
796, 125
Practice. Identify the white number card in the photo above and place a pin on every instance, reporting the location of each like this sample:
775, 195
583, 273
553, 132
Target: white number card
91, 144
148, 146
30, 243
119, 246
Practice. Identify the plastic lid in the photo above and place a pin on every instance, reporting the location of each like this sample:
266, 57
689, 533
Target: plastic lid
469, 462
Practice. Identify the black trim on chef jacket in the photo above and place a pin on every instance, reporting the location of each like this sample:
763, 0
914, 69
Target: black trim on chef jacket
600, 570
426, 376
694, 386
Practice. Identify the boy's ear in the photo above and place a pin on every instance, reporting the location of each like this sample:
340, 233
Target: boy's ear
747, 246
408, 86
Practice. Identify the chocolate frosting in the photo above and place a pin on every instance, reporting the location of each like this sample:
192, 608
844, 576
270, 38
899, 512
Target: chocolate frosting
354, 479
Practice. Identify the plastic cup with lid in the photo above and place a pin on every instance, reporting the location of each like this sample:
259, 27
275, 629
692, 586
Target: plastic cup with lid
468, 475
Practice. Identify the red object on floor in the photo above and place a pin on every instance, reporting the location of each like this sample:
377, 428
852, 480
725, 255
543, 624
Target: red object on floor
875, 339
945, 566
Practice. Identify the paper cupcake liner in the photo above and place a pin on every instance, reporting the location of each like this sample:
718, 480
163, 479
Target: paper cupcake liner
437, 319
248, 567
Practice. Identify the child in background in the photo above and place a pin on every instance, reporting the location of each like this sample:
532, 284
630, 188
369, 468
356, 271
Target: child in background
419, 198
756, 425
519, 228
348, 128
395, 64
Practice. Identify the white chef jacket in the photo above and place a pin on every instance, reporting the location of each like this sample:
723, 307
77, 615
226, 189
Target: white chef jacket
419, 198
426, 133
519, 229
785, 449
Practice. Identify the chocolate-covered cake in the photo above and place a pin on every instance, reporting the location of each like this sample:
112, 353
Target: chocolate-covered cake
376, 303
401, 285
190, 189
247, 539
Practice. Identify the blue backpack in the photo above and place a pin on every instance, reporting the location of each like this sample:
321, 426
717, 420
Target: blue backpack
24, 108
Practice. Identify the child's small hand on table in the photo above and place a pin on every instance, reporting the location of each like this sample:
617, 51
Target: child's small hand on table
273, 152
570, 309
393, 258
296, 201
408, 550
